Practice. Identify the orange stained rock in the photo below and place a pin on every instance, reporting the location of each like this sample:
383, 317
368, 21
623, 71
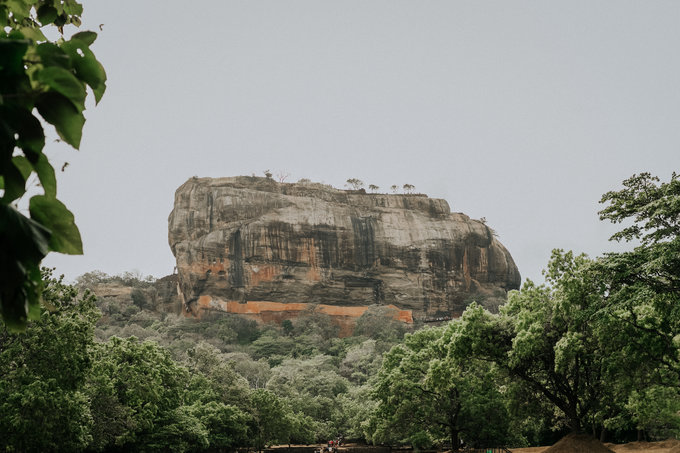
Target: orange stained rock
201, 267
307, 252
403, 315
263, 274
309, 256
262, 307
313, 274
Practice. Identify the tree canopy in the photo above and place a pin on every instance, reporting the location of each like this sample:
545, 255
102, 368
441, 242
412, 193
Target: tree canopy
43, 405
426, 397
644, 283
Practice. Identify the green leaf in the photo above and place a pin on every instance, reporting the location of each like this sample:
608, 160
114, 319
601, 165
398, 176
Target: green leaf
15, 183
24, 166
17, 293
47, 14
88, 37
24, 244
20, 121
18, 8
51, 55
60, 112
52, 214
12, 53
33, 286
31, 135
61, 19
64, 82
88, 69
33, 34
25, 238
73, 8
46, 174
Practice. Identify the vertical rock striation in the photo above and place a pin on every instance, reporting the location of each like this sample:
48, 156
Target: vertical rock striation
245, 243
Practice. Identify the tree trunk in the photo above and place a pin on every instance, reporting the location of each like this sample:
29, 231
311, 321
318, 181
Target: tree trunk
603, 434
455, 442
574, 424
453, 421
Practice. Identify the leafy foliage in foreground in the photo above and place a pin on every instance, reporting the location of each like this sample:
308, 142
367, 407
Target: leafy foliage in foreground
38, 76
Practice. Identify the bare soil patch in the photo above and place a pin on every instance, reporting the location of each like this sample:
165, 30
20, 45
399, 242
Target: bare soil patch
591, 445
578, 443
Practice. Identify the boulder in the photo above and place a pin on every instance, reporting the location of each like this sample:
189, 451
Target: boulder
253, 246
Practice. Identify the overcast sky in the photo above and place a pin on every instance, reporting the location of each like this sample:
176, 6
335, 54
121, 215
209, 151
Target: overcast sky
523, 112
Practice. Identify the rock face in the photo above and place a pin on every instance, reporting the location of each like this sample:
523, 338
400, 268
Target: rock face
254, 246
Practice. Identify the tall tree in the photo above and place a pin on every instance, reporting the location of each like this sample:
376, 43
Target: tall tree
312, 387
644, 283
270, 419
429, 397
643, 287
49, 78
42, 372
549, 338
141, 383
355, 183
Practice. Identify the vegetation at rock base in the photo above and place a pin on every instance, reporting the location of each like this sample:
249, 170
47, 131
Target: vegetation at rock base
133, 279
124, 377
593, 349
49, 78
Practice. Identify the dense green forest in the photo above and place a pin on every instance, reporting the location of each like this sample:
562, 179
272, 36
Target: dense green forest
594, 349
113, 377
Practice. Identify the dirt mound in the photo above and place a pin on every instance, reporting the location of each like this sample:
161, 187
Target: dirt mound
578, 443
669, 443
637, 446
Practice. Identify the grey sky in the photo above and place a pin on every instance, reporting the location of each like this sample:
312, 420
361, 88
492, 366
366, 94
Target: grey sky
521, 112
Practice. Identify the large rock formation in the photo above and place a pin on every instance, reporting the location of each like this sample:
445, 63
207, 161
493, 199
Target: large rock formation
254, 246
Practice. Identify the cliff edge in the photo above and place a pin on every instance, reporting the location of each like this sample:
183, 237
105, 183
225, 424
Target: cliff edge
253, 246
